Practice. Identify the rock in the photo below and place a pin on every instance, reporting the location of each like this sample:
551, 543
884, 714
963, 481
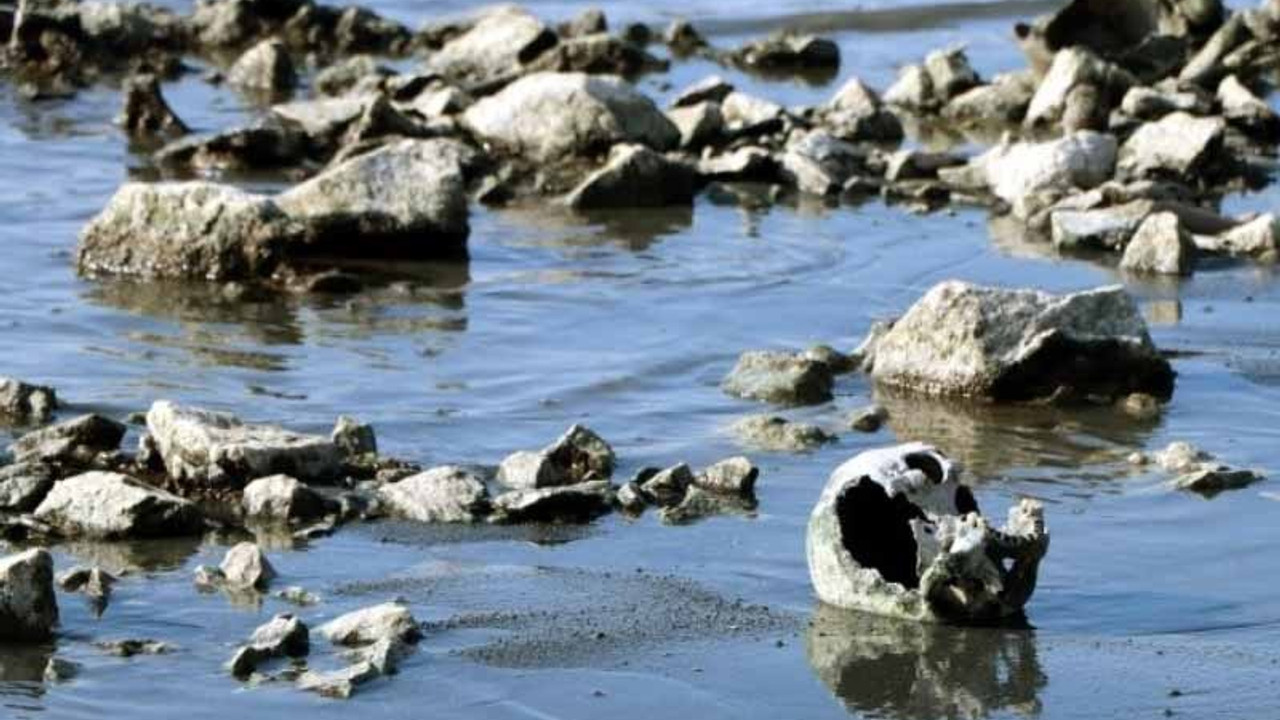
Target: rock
1146, 103
448, 494
1140, 406
1206, 66
950, 73
667, 487
280, 498
790, 52
133, 646
283, 636
1178, 146
711, 89
1115, 28
1257, 238
266, 145
185, 230
579, 455
324, 120
913, 90
698, 503
59, 670
145, 113
630, 499
634, 176
28, 606
1108, 228
23, 485
1245, 110
371, 624
112, 506
344, 75
733, 476
580, 503
781, 378
24, 403
1021, 345
1160, 246
353, 437
1004, 100
75, 442
265, 67
1211, 479
380, 121
775, 434
498, 45
748, 114
338, 684
298, 596
869, 419
94, 582
404, 200
820, 164
699, 125
588, 22
857, 114
546, 116
683, 38
1074, 67
1017, 171
218, 449
384, 655
1086, 108
839, 362
599, 53
742, 165
442, 101
246, 567
895, 533
1181, 457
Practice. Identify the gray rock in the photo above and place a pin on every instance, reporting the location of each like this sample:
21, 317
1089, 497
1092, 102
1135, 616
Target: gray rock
407, 199
857, 114
580, 503
265, 145
913, 90
918, 165
75, 442
1004, 100
1108, 228
667, 487
112, 506
23, 485
683, 38
28, 606
786, 51
217, 449
546, 116
384, 655
186, 230
282, 636
1021, 345
1206, 67
1246, 110
344, 75
354, 437
950, 73
743, 164
588, 22
130, 647
1017, 171
747, 113
598, 53
1115, 28
280, 498
1145, 103
1074, 67
324, 119
59, 670
781, 378
338, 684
1178, 146
448, 494
1181, 457
774, 434
21, 402
1210, 479
819, 164
699, 125
698, 503
732, 476
371, 624
634, 176
497, 45
245, 567
630, 499
869, 419
1257, 238
442, 101
1160, 246
145, 113
577, 456
265, 67
711, 89
895, 533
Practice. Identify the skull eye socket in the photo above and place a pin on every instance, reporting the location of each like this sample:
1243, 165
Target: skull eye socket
926, 464
876, 530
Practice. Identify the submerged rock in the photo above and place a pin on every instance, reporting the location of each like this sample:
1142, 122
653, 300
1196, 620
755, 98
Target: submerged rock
447, 494
781, 378
112, 506
547, 116
28, 606
579, 503
775, 434
1021, 345
895, 533
22, 402
1210, 479
280, 498
405, 200
145, 113
186, 230
218, 449
577, 456
634, 176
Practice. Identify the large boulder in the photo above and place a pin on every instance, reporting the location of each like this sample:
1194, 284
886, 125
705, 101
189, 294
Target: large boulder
407, 199
186, 230
1021, 345
28, 606
547, 116
896, 533
633, 177
499, 44
112, 506
218, 449
446, 494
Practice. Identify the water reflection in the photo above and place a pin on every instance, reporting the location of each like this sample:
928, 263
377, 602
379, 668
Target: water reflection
132, 557
908, 670
22, 669
989, 439
636, 229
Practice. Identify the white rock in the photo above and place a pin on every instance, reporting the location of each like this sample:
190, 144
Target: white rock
446, 494
111, 506
1160, 246
371, 624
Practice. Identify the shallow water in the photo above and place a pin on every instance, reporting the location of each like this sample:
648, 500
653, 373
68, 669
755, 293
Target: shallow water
1149, 600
